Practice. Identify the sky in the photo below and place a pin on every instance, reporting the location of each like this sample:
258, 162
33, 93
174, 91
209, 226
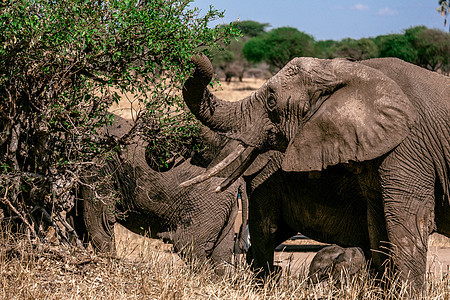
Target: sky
333, 20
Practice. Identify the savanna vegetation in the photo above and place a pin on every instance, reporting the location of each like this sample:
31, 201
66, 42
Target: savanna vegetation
53, 272
63, 64
425, 47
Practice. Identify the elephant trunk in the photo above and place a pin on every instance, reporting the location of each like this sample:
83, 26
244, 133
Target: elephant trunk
229, 118
209, 109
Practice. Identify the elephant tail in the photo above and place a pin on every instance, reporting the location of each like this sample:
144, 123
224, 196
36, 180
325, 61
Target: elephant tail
240, 242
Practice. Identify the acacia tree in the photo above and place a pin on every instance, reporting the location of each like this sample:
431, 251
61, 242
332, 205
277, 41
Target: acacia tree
428, 48
278, 46
432, 47
396, 45
356, 49
230, 60
63, 64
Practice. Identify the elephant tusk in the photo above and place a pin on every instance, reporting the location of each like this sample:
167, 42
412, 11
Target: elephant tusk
217, 168
248, 160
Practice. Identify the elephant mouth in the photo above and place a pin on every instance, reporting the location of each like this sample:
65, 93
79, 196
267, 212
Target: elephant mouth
247, 154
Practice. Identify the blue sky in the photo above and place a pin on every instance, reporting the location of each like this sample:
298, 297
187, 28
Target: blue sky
335, 20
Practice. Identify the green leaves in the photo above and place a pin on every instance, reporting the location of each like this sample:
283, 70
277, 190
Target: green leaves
64, 63
278, 46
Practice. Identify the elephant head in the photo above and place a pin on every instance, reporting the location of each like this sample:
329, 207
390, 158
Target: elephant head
318, 112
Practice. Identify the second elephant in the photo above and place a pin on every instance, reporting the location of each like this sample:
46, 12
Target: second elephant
195, 218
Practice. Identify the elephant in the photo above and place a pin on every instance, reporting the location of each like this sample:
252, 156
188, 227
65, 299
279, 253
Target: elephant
234, 70
195, 218
363, 156
336, 261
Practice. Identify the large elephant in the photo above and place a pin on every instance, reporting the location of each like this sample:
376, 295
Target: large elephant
194, 218
364, 155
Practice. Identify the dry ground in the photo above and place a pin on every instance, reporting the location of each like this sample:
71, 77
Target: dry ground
128, 107
50, 271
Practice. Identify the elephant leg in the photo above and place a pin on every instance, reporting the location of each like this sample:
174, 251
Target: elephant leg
263, 224
223, 252
378, 236
99, 222
224, 246
267, 231
377, 251
408, 187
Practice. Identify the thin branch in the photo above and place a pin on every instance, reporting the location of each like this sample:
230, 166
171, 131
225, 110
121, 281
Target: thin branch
7, 202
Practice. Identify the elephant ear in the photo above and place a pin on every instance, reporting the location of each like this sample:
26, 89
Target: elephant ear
364, 115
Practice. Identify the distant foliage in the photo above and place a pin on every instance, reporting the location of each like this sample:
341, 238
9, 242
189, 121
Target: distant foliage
62, 65
428, 48
356, 49
443, 9
230, 61
279, 46
251, 28
325, 49
432, 47
397, 45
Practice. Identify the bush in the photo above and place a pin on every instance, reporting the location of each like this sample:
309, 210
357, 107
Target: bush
62, 65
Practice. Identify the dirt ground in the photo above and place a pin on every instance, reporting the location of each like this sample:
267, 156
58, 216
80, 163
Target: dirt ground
295, 254
296, 259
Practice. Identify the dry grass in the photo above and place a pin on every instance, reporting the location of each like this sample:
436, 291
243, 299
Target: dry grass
236, 90
128, 107
48, 271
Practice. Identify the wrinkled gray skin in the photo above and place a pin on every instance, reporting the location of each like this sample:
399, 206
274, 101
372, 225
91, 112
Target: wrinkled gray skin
196, 218
337, 262
365, 155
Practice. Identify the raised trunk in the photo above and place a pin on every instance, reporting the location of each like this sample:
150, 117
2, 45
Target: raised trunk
219, 115
234, 119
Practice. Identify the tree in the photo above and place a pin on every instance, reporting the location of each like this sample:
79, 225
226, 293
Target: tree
62, 64
230, 60
251, 28
325, 49
444, 6
397, 45
432, 47
279, 46
428, 48
356, 49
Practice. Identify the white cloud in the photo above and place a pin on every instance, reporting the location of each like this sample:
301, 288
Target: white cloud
361, 7
386, 11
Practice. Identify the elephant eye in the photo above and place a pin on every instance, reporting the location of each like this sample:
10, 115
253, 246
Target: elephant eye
271, 102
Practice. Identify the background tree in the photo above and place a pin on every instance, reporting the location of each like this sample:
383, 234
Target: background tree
432, 47
325, 49
230, 61
356, 49
444, 6
428, 48
251, 28
279, 46
62, 65
396, 45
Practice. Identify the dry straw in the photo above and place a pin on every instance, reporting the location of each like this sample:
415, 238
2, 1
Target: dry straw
49, 271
